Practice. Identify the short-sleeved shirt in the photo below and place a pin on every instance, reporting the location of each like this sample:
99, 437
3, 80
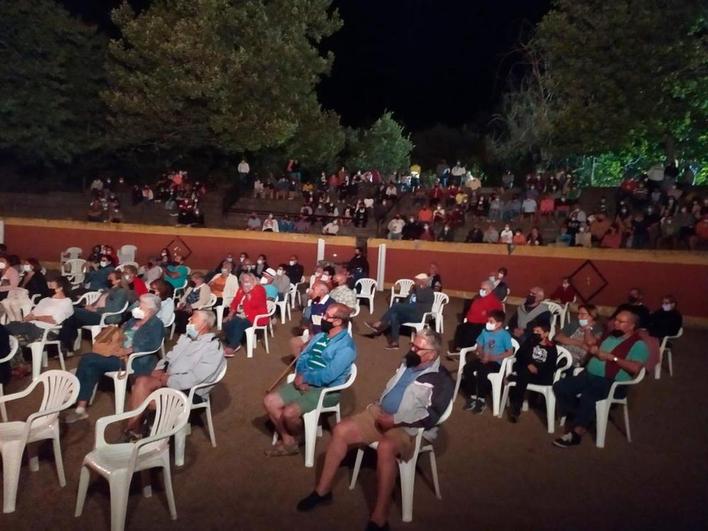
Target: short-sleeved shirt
494, 343
639, 352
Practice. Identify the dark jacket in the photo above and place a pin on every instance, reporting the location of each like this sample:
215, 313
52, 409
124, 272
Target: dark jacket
662, 323
423, 299
544, 357
5, 370
294, 272
146, 339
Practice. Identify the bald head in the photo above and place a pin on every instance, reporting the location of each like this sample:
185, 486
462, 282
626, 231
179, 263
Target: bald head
319, 289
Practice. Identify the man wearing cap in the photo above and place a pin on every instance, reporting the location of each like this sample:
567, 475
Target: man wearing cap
267, 282
419, 301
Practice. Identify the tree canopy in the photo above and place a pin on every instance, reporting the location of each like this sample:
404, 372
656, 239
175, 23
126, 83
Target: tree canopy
51, 72
231, 75
384, 146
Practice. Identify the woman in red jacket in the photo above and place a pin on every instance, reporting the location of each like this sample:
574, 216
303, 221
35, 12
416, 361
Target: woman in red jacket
250, 301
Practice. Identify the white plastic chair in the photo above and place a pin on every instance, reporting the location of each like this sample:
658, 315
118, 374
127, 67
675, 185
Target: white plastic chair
351, 319
296, 293
101, 324
250, 332
90, 297
60, 391
311, 420
127, 253
39, 353
368, 291
14, 347
169, 325
219, 311
407, 469
73, 270
497, 378
179, 291
556, 316
400, 290
120, 384
118, 462
69, 253
436, 313
285, 306
565, 360
602, 409
209, 305
665, 350
181, 435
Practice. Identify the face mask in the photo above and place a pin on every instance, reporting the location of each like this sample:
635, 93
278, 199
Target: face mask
230, 259
666, 307
537, 338
617, 333
138, 313
264, 280
225, 271
412, 359
492, 278
291, 262
26, 268
241, 259
191, 331
3, 265
326, 326
482, 292
103, 264
583, 322
325, 278
491, 327
633, 299
530, 299
164, 254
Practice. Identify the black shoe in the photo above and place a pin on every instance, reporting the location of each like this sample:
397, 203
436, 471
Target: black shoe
569, 439
312, 500
373, 526
479, 406
470, 403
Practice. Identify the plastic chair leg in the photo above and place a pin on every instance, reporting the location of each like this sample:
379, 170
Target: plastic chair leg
250, 336
550, 410
36, 348
169, 492
406, 469
81, 493
210, 424
119, 483
602, 412
434, 470
58, 461
265, 340
310, 420
357, 467
11, 462
626, 423
120, 388
657, 368
180, 442
496, 381
3, 409
670, 356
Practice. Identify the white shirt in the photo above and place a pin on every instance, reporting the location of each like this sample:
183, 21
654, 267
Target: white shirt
458, 171
331, 228
243, 167
271, 224
58, 309
506, 236
395, 226
167, 310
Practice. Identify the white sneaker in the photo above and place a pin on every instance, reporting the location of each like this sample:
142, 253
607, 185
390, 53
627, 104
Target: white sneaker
75, 416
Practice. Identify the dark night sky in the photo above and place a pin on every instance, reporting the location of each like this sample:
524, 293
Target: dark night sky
428, 61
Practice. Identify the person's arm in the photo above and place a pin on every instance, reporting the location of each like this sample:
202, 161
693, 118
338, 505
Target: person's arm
440, 399
341, 362
149, 336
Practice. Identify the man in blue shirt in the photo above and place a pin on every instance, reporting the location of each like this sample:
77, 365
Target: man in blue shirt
325, 362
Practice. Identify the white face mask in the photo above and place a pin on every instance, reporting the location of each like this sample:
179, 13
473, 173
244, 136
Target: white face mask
491, 327
103, 264
259, 262
191, 331
325, 278
666, 307
482, 292
493, 278
138, 313
291, 262
583, 322
264, 280
26, 268
3, 265
225, 271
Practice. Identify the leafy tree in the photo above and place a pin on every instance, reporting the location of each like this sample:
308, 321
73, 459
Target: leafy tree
51, 73
318, 141
384, 146
234, 75
625, 69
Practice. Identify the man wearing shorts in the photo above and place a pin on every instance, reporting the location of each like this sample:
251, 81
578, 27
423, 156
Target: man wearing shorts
325, 362
416, 397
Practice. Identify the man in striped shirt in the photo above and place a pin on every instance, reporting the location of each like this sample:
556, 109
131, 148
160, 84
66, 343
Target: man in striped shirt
325, 362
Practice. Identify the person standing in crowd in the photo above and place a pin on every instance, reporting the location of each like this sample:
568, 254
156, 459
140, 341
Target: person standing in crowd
501, 286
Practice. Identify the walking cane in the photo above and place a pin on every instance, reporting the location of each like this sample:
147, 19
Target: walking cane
282, 375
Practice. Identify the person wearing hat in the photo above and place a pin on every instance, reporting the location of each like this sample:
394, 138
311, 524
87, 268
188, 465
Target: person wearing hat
267, 281
419, 301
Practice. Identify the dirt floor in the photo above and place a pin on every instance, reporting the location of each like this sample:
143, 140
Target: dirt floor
493, 475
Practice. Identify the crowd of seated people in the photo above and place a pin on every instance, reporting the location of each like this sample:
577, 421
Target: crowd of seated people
142, 307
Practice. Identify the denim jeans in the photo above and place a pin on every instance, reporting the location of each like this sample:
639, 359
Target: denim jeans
234, 330
92, 366
396, 315
590, 388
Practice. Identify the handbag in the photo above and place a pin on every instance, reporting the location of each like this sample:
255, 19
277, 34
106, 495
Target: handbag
108, 342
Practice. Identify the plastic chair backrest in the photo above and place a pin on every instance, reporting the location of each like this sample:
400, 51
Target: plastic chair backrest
566, 359
60, 388
404, 286
73, 266
219, 377
71, 252
368, 285
127, 253
171, 410
14, 346
440, 300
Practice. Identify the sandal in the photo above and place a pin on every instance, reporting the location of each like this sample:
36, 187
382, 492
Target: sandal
280, 450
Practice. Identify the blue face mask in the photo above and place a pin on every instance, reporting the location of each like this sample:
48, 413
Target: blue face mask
191, 331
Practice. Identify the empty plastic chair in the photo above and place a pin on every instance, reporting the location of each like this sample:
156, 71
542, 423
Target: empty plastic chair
118, 462
368, 291
400, 290
60, 391
14, 346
